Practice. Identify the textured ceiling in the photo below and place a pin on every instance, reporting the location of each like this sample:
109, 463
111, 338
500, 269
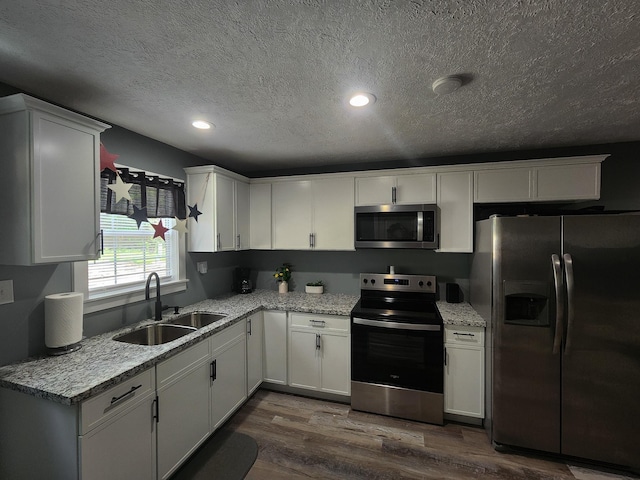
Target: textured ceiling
273, 75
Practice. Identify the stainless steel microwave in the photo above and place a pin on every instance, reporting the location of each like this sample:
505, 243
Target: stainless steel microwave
396, 226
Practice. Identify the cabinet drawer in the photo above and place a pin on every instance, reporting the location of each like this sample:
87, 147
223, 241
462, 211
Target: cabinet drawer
115, 400
332, 322
176, 366
464, 335
228, 335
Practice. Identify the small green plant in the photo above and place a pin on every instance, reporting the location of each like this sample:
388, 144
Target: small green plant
283, 273
315, 284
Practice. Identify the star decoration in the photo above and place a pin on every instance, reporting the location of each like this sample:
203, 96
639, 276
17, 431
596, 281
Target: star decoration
107, 159
181, 226
160, 230
139, 215
194, 212
121, 189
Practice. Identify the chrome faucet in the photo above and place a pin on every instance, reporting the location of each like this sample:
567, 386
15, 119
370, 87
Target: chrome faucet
158, 305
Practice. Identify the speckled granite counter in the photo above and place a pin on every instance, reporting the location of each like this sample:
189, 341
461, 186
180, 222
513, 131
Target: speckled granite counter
460, 314
103, 362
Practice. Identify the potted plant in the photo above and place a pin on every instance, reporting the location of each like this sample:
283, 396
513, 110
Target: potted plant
282, 276
314, 287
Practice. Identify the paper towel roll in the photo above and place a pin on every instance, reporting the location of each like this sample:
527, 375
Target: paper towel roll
63, 319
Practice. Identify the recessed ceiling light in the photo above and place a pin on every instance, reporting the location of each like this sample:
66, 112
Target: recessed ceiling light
446, 85
201, 124
362, 99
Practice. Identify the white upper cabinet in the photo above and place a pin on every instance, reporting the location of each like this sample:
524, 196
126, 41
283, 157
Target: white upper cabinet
223, 199
313, 214
51, 204
398, 189
455, 211
559, 179
260, 216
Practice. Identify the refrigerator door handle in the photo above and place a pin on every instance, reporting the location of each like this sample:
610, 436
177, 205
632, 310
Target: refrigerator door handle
557, 281
568, 272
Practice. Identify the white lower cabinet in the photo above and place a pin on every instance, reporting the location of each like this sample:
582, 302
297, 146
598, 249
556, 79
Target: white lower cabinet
183, 406
275, 347
464, 371
228, 372
320, 353
255, 351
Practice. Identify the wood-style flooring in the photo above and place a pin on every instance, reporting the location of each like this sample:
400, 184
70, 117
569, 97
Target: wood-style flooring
302, 438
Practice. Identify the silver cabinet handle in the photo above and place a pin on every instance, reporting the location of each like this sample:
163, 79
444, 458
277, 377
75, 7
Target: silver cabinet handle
249, 324
218, 241
317, 323
121, 398
318, 345
393, 195
464, 334
238, 241
568, 272
214, 370
557, 281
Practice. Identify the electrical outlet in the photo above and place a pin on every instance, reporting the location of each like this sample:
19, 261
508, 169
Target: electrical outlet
202, 267
6, 291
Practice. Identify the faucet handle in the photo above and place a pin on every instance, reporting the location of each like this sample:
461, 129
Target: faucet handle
176, 309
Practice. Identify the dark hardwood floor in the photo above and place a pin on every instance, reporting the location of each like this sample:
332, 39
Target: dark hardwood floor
302, 438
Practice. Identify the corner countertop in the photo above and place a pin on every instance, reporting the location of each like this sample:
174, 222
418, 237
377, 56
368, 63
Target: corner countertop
460, 314
102, 362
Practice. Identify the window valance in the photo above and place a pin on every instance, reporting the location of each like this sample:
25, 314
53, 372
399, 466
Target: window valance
163, 197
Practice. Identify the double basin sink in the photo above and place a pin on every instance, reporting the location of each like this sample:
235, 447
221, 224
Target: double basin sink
159, 333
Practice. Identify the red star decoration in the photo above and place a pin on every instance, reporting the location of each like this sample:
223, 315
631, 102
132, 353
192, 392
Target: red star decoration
107, 159
160, 230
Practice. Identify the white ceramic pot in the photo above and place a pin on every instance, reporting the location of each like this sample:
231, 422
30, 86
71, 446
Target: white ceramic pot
283, 287
314, 288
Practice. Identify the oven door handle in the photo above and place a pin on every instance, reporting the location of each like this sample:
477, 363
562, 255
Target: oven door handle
397, 325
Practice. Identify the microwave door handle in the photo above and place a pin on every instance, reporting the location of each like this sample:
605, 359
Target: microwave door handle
568, 272
420, 231
557, 282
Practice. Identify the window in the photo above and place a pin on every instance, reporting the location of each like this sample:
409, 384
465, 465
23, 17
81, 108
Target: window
130, 253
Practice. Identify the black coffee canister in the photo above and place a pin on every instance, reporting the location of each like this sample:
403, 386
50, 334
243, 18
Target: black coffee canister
454, 293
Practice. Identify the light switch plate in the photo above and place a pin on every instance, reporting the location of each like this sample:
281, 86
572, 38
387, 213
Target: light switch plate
6, 291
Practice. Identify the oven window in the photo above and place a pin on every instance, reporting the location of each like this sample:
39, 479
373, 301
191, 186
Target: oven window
402, 358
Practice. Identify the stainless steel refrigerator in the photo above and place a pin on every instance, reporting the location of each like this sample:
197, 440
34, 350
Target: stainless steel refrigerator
561, 296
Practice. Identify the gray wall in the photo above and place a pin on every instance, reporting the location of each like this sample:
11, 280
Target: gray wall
22, 322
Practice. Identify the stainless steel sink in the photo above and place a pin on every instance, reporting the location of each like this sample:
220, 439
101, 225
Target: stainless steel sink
197, 319
156, 334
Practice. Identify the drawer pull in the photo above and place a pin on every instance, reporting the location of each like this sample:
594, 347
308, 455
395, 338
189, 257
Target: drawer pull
465, 334
318, 323
124, 396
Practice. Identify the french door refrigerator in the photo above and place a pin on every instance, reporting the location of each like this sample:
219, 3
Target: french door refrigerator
561, 296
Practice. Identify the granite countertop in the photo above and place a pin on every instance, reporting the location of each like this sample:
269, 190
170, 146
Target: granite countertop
102, 362
460, 314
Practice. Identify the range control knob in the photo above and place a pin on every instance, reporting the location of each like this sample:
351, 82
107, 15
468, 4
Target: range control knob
421, 283
429, 283
373, 281
365, 281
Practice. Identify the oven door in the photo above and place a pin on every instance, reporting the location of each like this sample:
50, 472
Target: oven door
404, 355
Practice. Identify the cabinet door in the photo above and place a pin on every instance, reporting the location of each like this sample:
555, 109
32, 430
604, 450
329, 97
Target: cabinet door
275, 347
242, 216
260, 216
292, 203
336, 363
255, 339
200, 192
374, 190
183, 406
568, 182
229, 381
416, 189
71, 236
304, 359
333, 214
225, 212
455, 202
464, 381
503, 185
125, 447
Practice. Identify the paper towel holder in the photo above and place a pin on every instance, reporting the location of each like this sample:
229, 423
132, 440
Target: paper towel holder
64, 349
